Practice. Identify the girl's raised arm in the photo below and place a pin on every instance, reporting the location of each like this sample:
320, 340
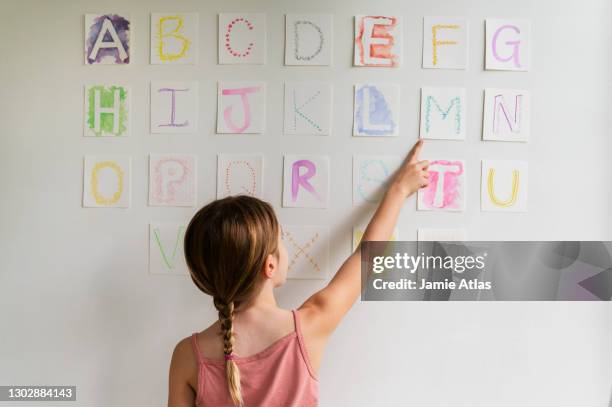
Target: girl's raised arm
323, 310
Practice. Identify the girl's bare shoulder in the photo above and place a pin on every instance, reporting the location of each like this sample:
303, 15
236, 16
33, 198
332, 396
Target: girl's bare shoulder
185, 350
184, 364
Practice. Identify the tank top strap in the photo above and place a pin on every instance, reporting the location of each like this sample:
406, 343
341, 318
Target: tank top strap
302, 345
200, 379
196, 348
296, 322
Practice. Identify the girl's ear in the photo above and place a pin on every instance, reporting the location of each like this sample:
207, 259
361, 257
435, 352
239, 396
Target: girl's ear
270, 266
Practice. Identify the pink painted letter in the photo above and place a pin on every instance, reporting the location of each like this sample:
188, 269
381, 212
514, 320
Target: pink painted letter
516, 44
443, 189
227, 113
297, 179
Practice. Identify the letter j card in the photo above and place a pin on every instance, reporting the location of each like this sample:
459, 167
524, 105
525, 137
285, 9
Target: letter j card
241, 107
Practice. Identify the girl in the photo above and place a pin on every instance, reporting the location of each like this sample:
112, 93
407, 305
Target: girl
257, 354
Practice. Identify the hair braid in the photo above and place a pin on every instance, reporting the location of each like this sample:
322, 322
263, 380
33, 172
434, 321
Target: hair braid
226, 318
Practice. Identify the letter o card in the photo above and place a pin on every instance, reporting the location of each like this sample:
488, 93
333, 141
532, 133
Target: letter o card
106, 181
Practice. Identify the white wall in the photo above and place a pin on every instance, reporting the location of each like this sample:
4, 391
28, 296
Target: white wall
77, 304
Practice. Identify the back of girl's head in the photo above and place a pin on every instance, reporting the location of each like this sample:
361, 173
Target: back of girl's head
227, 244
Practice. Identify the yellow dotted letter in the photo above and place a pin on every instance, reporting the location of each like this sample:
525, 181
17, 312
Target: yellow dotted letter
436, 43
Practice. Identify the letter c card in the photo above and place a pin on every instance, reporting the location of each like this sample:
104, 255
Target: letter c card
242, 38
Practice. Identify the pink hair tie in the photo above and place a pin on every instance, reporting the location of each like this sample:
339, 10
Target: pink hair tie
229, 357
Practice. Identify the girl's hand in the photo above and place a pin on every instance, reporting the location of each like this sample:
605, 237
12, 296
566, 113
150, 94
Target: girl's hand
413, 173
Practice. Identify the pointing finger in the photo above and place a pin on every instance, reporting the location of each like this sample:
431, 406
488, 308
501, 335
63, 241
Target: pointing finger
415, 151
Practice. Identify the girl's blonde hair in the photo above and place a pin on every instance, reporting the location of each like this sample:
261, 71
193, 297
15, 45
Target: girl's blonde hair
226, 246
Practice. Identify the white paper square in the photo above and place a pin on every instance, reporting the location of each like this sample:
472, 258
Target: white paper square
166, 253
107, 39
446, 189
308, 108
174, 107
371, 176
106, 181
359, 230
378, 41
239, 174
443, 113
504, 186
441, 235
241, 107
174, 38
376, 110
308, 250
506, 115
308, 39
508, 45
305, 181
242, 38
106, 111
172, 179
445, 43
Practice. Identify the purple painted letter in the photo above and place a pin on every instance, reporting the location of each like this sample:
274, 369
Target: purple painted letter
516, 44
297, 179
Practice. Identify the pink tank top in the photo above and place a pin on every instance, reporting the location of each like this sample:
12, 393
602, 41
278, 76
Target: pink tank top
280, 375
